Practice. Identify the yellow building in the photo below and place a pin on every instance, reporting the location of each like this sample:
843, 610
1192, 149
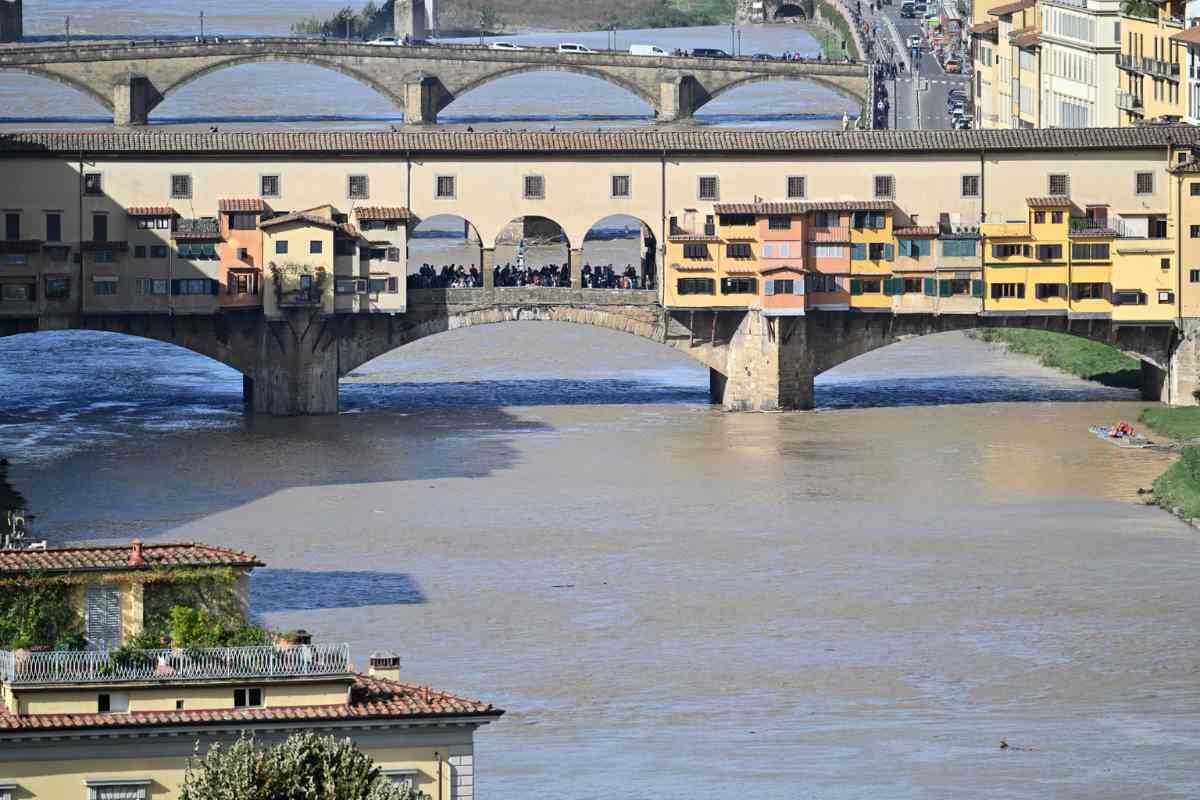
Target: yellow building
1007, 83
1153, 65
872, 257
106, 723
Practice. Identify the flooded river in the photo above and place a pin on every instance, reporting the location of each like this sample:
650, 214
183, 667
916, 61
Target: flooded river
671, 601
302, 97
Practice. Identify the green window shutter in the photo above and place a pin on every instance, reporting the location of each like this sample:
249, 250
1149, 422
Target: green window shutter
906, 248
1020, 291
977, 288
887, 286
930, 287
944, 289
175, 287
215, 288
858, 252
924, 247
889, 252
855, 286
949, 248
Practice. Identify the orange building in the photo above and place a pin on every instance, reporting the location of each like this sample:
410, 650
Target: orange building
241, 251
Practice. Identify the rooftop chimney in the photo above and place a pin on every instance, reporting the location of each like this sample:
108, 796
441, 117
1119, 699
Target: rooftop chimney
386, 665
135, 554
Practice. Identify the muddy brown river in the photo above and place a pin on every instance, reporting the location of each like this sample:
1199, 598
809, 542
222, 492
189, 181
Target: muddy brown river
671, 601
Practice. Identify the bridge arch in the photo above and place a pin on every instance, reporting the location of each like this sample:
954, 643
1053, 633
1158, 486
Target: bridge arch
105, 101
817, 79
394, 94
456, 92
790, 11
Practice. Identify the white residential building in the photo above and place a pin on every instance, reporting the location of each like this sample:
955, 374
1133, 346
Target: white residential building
1080, 41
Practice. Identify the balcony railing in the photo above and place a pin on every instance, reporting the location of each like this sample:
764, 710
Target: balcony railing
1148, 66
103, 666
1129, 102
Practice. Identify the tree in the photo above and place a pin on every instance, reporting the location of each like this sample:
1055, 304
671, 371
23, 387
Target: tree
304, 767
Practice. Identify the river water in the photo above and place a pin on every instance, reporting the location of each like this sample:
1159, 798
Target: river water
303, 97
671, 601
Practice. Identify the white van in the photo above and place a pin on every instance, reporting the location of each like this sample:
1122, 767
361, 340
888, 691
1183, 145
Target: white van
570, 47
647, 50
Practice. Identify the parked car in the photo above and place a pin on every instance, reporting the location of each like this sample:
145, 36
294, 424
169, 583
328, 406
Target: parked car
504, 46
763, 57
385, 41
962, 124
571, 47
952, 66
709, 52
908, 9
647, 50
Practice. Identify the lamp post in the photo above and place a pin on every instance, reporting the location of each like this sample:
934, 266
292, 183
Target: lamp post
68, 30
733, 37
202, 26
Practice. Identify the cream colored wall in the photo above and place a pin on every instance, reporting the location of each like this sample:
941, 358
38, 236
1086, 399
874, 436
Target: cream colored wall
275, 695
298, 235
54, 780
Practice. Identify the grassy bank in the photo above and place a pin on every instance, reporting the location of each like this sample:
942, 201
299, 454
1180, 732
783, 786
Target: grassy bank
1178, 489
831, 45
1086, 359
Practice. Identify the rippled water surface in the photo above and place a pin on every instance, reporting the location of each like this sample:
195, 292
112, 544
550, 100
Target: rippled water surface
856, 602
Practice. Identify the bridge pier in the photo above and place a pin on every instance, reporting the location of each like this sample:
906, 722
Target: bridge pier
295, 366
769, 366
423, 96
679, 97
134, 97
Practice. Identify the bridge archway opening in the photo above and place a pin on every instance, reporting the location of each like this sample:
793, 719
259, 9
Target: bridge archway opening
620, 252
444, 251
790, 12
31, 96
264, 90
532, 251
545, 97
763, 101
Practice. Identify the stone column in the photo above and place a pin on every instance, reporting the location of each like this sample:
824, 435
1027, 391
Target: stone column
1183, 371
679, 97
769, 365
295, 366
422, 92
576, 261
487, 263
133, 99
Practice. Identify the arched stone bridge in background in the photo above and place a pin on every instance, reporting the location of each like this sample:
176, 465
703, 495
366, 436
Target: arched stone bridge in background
756, 362
132, 78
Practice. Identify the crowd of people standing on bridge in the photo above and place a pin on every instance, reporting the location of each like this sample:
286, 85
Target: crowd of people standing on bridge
549, 275
456, 276
451, 276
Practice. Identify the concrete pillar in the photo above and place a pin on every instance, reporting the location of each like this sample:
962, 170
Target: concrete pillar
422, 94
1183, 371
487, 265
769, 367
679, 97
296, 366
134, 97
413, 18
576, 261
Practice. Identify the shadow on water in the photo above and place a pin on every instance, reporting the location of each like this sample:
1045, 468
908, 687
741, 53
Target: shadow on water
944, 390
496, 393
274, 590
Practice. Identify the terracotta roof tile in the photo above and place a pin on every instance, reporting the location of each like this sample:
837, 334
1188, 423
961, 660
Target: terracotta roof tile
116, 558
1189, 36
346, 229
370, 698
204, 229
918, 230
984, 28
793, 207
694, 237
228, 205
382, 213
1053, 201
150, 211
69, 144
1011, 8
1093, 233
299, 216
1028, 39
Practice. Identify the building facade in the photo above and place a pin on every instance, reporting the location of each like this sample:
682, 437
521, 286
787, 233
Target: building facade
12, 22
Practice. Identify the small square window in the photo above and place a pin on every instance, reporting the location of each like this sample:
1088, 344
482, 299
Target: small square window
1166, 297
112, 703
1194, 188
93, 183
795, 187
181, 187
535, 187
247, 698
158, 251
1039, 217
970, 186
1059, 185
708, 188
269, 185
620, 186
243, 254
446, 188
314, 247
281, 247
885, 187
1056, 217
358, 187
1144, 183
1165, 263
139, 251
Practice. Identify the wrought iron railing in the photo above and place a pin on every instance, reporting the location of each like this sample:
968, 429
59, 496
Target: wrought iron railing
1148, 66
1129, 102
103, 666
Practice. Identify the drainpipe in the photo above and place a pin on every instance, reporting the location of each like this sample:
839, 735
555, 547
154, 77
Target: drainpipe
79, 244
1178, 278
437, 756
660, 263
982, 243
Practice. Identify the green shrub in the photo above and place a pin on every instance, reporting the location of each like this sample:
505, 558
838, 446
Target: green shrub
34, 613
197, 628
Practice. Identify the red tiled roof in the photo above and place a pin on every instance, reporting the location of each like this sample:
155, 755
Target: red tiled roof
382, 213
116, 558
230, 205
346, 229
150, 211
984, 28
299, 216
1053, 201
1093, 233
1011, 8
918, 230
1025, 39
1189, 36
693, 237
799, 207
370, 698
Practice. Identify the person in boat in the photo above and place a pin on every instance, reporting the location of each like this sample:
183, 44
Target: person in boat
1121, 430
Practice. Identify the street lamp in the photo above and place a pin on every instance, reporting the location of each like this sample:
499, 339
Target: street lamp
68, 30
733, 37
202, 26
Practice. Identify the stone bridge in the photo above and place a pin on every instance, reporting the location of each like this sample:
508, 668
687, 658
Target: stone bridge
132, 78
292, 365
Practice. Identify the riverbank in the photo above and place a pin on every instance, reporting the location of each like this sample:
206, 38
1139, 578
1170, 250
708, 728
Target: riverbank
1178, 489
1082, 358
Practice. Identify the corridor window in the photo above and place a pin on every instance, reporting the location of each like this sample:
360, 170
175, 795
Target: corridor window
535, 187
102, 257
445, 187
139, 251
268, 185
1143, 183
1006, 250
104, 287
694, 286
1045, 291
1039, 217
795, 187
58, 288
739, 286
741, 250
1194, 188
1194, 276
1194, 231
621, 186
181, 187
885, 187
158, 251
93, 183
708, 188
243, 222
1058, 185
358, 187
970, 186
1166, 297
